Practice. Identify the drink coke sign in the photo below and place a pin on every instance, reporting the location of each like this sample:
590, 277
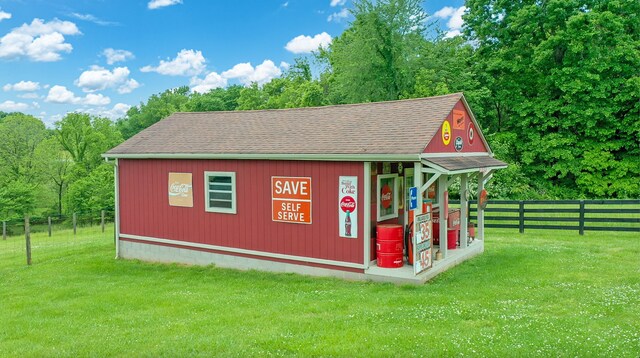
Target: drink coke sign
347, 206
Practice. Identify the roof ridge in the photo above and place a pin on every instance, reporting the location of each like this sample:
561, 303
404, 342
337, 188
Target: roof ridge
456, 94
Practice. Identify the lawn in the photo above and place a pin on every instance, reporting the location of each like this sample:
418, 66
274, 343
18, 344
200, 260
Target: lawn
541, 293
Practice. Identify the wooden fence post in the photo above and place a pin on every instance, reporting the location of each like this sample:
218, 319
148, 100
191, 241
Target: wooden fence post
49, 221
4, 230
74, 223
102, 220
581, 224
27, 237
521, 211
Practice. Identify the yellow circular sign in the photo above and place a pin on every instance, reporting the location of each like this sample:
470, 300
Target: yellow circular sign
446, 133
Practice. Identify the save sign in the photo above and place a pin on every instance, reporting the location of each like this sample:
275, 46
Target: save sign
291, 199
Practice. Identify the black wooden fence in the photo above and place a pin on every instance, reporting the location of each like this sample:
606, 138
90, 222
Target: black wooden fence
579, 215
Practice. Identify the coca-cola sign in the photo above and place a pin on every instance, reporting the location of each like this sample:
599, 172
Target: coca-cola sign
348, 203
180, 189
386, 196
347, 206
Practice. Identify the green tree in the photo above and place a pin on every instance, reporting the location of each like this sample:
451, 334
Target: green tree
20, 134
157, 107
91, 193
376, 58
446, 66
218, 99
85, 138
54, 164
564, 77
295, 89
16, 199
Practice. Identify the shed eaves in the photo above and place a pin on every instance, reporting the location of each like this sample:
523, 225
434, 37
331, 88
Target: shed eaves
393, 127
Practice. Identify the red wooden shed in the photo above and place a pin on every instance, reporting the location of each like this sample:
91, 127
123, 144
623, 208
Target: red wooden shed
300, 190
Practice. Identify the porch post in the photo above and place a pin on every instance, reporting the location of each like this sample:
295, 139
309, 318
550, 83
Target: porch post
480, 233
417, 182
366, 237
442, 187
463, 210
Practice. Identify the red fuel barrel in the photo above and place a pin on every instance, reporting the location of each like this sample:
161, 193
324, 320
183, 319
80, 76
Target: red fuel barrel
390, 243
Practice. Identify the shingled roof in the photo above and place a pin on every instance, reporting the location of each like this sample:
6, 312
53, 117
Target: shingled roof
385, 128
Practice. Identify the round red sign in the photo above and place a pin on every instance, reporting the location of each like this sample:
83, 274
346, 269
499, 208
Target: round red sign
348, 203
471, 133
385, 196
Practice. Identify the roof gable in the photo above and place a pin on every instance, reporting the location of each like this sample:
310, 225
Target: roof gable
393, 127
462, 128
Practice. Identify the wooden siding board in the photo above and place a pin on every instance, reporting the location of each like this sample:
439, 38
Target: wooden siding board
145, 210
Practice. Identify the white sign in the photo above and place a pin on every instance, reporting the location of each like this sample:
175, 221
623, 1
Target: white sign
423, 231
348, 207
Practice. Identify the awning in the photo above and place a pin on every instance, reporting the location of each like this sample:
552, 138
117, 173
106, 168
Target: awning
463, 164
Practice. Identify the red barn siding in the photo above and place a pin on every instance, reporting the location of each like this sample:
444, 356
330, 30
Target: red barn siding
436, 144
145, 210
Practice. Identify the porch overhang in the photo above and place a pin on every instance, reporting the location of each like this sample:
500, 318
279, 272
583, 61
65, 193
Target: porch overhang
459, 164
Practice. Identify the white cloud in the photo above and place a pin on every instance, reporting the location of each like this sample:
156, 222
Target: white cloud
338, 16
284, 65
128, 86
29, 95
4, 15
119, 110
96, 100
61, 95
211, 81
98, 78
92, 18
455, 22
307, 44
445, 12
114, 56
52, 119
22, 86
38, 41
186, 63
337, 2
246, 73
11, 106
156, 4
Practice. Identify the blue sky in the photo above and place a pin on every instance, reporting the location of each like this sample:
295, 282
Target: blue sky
103, 56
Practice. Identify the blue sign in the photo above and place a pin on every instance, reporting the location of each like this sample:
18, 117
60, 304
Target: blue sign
413, 198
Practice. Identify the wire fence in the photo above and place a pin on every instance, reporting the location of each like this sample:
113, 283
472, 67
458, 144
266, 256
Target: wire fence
35, 240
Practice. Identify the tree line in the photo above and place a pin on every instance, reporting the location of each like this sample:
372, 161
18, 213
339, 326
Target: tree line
555, 86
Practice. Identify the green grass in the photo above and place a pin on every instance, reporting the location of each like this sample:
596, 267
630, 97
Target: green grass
538, 294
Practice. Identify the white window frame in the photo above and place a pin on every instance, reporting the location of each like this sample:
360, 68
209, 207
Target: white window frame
394, 214
210, 209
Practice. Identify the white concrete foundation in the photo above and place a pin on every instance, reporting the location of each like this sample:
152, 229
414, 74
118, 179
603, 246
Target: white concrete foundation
404, 275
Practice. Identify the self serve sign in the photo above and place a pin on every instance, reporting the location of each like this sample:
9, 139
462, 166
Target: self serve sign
291, 199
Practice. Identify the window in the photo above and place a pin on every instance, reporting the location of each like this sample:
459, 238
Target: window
387, 196
220, 192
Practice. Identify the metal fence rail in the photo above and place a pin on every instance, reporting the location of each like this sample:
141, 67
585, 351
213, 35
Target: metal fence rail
578, 215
